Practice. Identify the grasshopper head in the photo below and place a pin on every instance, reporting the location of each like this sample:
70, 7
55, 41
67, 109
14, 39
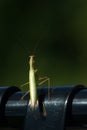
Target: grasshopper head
32, 59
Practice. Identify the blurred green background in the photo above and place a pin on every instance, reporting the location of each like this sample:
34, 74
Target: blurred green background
58, 31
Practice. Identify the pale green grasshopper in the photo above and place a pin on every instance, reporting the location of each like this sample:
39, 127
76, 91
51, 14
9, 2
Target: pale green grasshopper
32, 85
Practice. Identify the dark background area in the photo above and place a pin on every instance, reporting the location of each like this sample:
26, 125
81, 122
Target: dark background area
55, 30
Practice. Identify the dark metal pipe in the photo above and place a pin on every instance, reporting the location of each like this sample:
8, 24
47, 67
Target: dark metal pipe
79, 109
15, 108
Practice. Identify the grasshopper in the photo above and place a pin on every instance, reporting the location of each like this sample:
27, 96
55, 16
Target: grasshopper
32, 84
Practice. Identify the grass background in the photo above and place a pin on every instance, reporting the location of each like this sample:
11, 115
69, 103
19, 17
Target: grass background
58, 28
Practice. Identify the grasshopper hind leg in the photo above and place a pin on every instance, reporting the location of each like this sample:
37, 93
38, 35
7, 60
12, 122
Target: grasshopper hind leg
22, 98
44, 80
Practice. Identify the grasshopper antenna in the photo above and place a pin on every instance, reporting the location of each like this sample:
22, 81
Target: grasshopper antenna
37, 42
35, 48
